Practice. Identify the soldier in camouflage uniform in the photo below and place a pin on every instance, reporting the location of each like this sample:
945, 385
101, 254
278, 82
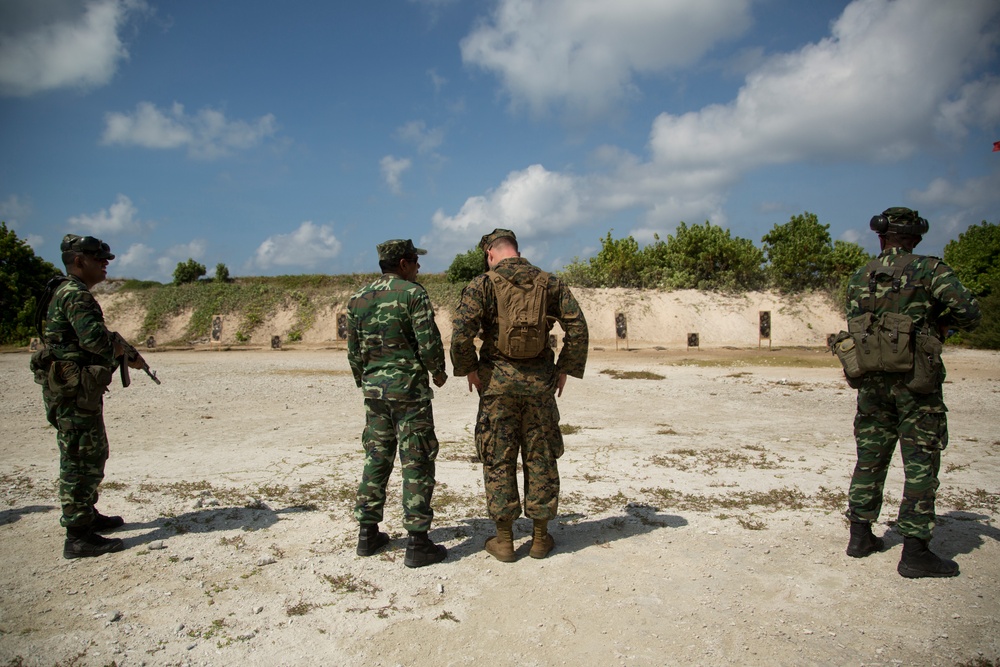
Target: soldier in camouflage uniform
75, 369
393, 344
518, 415
930, 293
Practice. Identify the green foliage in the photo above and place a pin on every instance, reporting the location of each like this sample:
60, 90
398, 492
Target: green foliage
975, 257
619, 263
799, 253
221, 273
705, 257
188, 272
467, 266
845, 259
987, 334
22, 281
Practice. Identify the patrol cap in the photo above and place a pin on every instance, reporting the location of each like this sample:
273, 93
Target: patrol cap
397, 249
488, 239
899, 220
88, 245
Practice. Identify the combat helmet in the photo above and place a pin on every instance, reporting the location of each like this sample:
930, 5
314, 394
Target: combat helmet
899, 220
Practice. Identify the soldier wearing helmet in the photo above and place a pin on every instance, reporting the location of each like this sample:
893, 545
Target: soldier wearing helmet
923, 298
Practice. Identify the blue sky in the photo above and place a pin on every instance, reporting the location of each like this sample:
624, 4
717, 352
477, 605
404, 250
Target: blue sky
285, 138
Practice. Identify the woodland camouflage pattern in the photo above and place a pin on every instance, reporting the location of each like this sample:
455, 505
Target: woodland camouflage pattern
392, 345
931, 294
517, 404
75, 332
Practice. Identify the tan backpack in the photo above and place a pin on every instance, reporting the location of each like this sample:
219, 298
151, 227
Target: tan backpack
521, 315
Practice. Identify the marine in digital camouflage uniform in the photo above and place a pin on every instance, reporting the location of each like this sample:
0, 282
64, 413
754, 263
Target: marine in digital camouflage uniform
77, 343
931, 294
393, 344
518, 415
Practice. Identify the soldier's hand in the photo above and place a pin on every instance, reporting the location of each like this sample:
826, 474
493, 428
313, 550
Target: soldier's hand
473, 379
137, 362
440, 379
560, 383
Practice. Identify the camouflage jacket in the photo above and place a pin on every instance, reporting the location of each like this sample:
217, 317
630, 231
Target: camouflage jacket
393, 341
75, 329
477, 314
930, 293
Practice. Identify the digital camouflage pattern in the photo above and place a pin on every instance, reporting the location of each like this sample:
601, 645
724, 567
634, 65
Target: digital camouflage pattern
411, 425
392, 345
75, 332
517, 405
931, 294
393, 341
518, 425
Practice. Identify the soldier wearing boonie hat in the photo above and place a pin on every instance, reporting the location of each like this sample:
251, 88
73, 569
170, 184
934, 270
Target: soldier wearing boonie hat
924, 298
393, 344
518, 383
74, 370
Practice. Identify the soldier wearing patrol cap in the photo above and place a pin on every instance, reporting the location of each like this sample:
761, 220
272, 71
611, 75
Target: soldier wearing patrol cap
517, 386
926, 296
393, 344
74, 370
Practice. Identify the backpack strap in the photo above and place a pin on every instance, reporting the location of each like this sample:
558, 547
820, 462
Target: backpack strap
895, 269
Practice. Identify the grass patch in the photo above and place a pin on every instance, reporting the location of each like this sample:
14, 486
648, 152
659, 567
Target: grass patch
569, 429
632, 375
348, 583
712, 459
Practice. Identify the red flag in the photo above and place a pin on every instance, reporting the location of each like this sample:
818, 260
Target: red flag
996, 146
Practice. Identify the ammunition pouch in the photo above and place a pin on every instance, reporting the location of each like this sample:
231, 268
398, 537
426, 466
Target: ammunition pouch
883, 343
41, 361
94, 381
64, 378
847, 353
928, 369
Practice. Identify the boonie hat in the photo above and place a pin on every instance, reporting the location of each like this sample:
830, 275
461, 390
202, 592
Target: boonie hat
86, 244
900, 220
497, 233
397, 249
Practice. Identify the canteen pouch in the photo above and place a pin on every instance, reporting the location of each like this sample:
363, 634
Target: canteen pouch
847, 352
928, 369
41, 361
94, 381
64, 378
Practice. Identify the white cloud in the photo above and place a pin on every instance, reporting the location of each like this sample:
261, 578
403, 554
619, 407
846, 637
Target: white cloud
206, 135
119, 217
437, 80
392, 170
61, 43
873, 90
146, 263
583, 54
416, 133
307, 246
13, 211
535, 203
891, 74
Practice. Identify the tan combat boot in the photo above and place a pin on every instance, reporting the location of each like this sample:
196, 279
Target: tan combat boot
501, 546
541, 542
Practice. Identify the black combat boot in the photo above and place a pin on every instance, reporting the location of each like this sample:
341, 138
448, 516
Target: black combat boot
863, 542
919, 561
104, 524
420, 551
83, 542
370, 541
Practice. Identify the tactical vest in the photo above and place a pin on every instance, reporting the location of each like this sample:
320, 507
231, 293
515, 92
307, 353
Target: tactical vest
884, 342
521, 315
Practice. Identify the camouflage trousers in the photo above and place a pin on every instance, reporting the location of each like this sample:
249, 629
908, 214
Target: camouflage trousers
83, 451
528, 426
888, 412
409, 427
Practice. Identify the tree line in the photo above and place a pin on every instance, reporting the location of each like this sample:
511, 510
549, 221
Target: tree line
793, 257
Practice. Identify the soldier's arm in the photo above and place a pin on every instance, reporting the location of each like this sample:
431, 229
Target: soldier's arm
573, 358
430, 349
353, 347
467, 322
85, 316
962, 308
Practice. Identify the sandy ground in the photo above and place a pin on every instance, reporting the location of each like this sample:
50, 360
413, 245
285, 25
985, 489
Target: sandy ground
700, 523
